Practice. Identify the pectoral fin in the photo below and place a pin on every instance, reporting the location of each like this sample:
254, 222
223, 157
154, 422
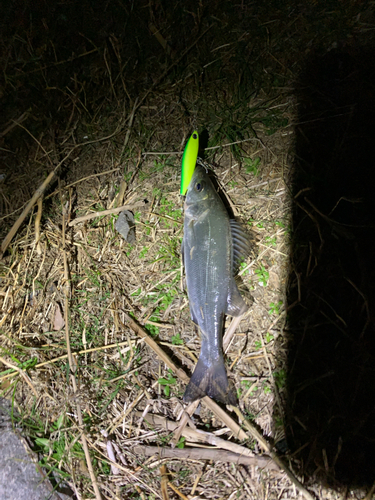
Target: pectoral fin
235, 303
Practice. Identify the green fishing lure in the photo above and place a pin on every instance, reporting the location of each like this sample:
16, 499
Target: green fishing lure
189, 160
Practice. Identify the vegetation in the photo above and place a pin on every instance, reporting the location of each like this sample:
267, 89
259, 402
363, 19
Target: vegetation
110, 93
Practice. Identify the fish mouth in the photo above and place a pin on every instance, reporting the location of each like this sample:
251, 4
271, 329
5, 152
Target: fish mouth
188, 204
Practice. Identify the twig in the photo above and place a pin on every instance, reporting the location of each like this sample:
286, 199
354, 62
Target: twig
37, 225
370, 493
204, 454
14, 123
73, 366
33, 200
164, 482
230, 332
198, 436
176, 490
27, 209
237, 142
58, 63
183, 422
117, 210
131, 118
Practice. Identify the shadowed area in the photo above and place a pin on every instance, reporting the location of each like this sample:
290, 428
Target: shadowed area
331, 295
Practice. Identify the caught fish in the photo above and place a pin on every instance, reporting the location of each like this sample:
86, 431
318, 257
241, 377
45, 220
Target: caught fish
212, 247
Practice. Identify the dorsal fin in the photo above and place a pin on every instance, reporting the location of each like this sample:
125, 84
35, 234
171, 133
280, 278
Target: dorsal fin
241, 243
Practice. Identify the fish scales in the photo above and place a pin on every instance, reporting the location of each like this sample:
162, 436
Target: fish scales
209, 245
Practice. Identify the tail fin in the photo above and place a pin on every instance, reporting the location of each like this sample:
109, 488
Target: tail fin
210, 378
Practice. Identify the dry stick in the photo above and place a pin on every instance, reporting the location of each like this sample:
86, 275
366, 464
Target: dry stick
214, 407
15, 123
268, 448
37, 225
139, 204
204, 454
230, 332
27, 209
198, 436
176, 490
131, 118
73, 365
164, 482
369, 494
183, 422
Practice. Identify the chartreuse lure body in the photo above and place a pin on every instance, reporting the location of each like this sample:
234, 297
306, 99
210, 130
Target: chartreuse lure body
189, 160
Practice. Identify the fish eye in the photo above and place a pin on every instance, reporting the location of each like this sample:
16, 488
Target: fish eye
199, 186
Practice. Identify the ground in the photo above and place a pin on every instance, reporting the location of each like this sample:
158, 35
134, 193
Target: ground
96, 332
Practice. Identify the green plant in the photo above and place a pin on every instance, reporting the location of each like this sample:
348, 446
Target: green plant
271, 241
243, 268
267, 389
251, 165
275, 307
245, 386
269, 337
167, 382
262, 275
181, 442
172, 215
153, 330
143, 252
279, 224
280, 378
176, 339
232, 184
53, 441
274, 121
258, 343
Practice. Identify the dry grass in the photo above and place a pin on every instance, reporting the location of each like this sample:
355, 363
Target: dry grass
124, 396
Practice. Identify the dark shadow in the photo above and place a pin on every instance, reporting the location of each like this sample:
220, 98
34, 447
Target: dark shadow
331, 365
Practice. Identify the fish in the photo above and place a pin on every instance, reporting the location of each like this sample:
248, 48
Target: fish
213, 245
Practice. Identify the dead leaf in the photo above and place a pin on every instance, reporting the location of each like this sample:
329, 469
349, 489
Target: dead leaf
58, 321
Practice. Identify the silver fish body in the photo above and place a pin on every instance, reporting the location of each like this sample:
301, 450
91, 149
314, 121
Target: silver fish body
212, 246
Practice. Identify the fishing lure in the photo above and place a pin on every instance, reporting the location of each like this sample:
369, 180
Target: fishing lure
189, 160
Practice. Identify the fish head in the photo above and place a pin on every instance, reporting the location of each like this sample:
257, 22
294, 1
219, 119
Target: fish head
200, 190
